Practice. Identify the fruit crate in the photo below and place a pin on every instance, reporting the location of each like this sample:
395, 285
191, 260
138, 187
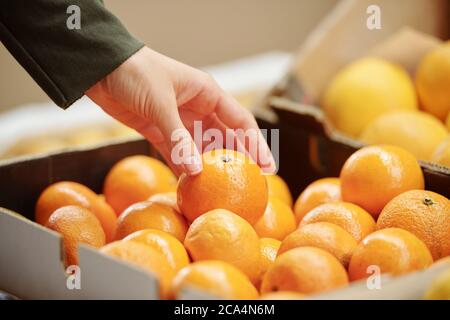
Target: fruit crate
31, 256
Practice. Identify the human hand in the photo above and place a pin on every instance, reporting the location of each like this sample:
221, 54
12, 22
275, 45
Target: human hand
157, 96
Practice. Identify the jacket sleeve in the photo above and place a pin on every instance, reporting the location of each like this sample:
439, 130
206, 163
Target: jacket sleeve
65, 62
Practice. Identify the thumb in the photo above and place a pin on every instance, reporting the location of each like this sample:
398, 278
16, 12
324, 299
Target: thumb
184, 154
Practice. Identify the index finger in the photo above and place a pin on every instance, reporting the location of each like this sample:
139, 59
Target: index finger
234, 116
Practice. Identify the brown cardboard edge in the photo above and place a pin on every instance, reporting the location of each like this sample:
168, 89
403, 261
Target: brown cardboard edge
297, 114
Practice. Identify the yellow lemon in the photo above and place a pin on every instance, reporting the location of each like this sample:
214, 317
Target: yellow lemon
364, 90
442, 153
433, 81
418, 132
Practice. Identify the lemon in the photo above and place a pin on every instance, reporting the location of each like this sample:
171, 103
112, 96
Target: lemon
442, 153
364, 90
433, 81
418, 132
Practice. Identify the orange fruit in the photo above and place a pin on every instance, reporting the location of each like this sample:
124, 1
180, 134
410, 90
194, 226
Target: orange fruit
145, 257
222, 235
324, 235
76, 225
306, 270
167, 198
136, 178
426, 214
217, 278
373, 175
433, 81
268, 248
442, 153
283, 295
230, 181
353, 219
318, 192
277, 222
151, 215
172, 249
418, 132
392, 250
67, 193
278, 188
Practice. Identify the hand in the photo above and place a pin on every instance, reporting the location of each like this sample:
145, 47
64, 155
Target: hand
157, 96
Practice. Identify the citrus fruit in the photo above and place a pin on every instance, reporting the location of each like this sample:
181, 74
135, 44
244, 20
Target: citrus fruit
306, 270
392, 250
442, 153
166, 198
278, 188
433, 81
146, 258
172, 249
324, 235
268, 248
373, 175
66, 193
353, 219
229, 180
364, 90
218, 278
151, 215
426, 214
318, 192
76, 225
440, 287
283, 295
134, 179
277, 222
222, 235
418, 132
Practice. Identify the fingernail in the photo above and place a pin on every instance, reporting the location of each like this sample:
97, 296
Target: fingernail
193, 165
271, 167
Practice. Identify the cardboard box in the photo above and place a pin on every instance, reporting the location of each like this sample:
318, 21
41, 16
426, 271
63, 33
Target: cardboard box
31, 256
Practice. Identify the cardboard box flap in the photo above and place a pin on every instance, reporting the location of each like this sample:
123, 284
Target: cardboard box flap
410, 286
104, 277
406, 48
31, 266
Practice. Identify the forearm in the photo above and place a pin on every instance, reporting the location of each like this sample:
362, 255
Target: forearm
64, 62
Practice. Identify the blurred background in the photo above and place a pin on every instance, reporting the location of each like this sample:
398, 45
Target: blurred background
248, 46
199, 33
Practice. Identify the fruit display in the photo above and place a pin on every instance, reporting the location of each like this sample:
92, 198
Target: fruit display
203, 237
376, 101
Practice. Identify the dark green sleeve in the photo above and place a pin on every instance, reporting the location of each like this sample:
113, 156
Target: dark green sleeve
65, 63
